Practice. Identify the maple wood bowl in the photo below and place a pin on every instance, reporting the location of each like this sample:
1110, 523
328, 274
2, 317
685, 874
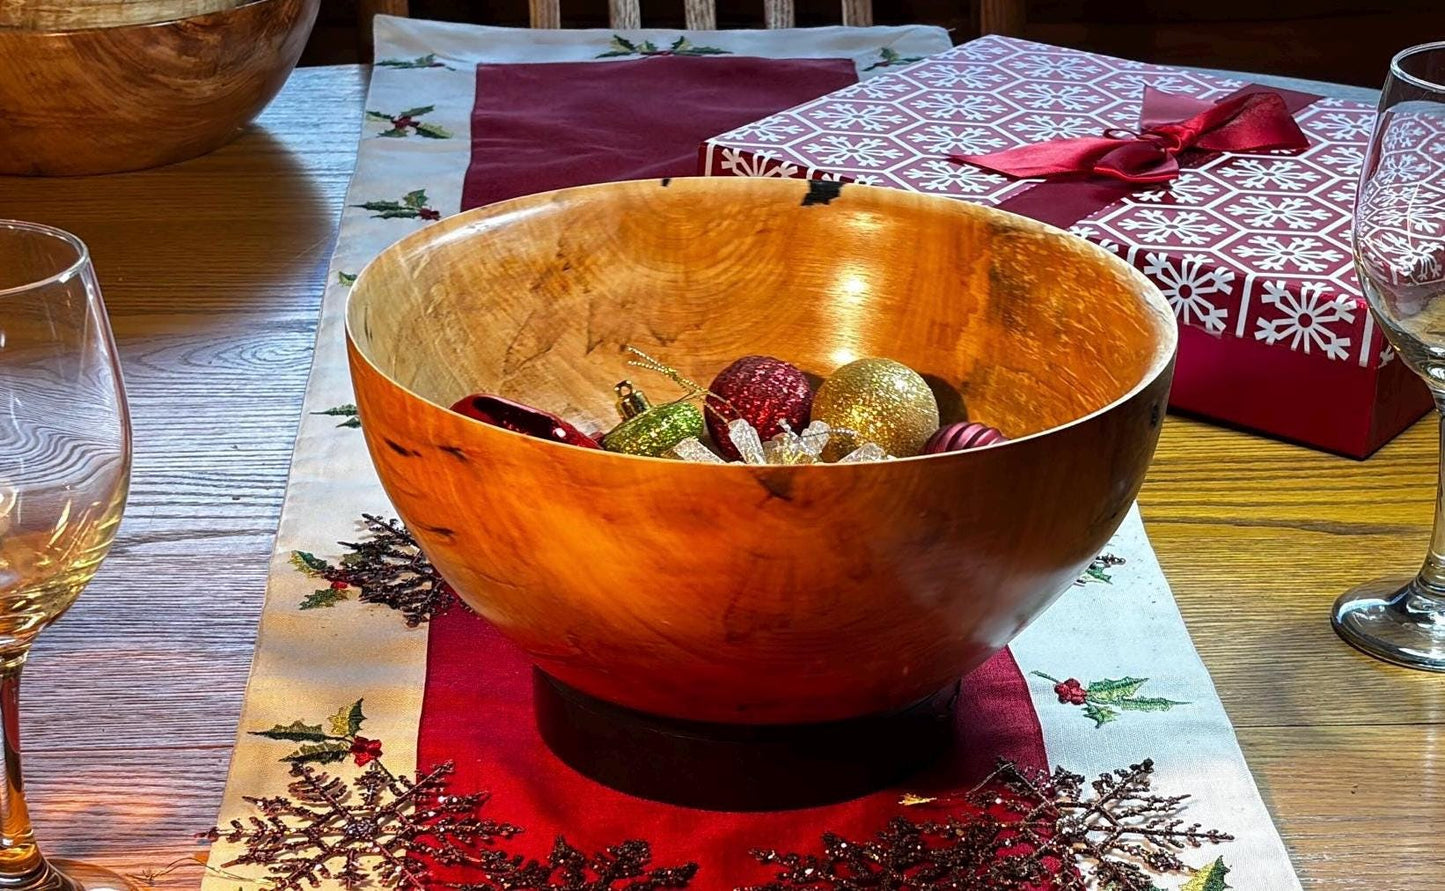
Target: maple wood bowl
747, 594
102, 86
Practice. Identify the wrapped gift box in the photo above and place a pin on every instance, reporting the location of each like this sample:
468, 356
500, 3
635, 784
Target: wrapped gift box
1251, 248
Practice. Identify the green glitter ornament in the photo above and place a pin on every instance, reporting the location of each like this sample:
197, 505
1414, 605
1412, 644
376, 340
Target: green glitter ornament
651, 430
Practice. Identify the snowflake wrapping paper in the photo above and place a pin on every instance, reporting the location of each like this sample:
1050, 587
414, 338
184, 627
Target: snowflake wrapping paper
1250, 248
384, 722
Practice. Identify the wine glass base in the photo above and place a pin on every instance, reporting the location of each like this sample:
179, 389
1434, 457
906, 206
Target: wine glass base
72, 875
1390, 620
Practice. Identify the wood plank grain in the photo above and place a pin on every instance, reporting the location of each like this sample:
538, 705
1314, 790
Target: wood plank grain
778, 13
858, 13
700, 15
383, 7
1358, 818
366, 10
1004, 17
1257, 539
545, 13
624, 13
132, 699
139, 810
212, 271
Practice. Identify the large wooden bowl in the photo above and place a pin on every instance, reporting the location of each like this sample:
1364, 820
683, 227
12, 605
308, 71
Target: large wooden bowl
757, 594
113, 97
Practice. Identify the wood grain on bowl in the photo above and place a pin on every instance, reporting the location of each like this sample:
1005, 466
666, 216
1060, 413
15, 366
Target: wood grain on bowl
69, 15
106, 99
739, 593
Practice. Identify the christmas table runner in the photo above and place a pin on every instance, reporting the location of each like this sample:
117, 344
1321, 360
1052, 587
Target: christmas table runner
387, 738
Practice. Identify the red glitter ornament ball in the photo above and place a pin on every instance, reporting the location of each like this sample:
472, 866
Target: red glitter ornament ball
761, 390
962, 436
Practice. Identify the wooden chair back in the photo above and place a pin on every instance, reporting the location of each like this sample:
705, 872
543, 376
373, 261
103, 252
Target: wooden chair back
992, 16
699, 15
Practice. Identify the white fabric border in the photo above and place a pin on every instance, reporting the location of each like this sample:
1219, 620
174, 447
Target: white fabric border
1131, 627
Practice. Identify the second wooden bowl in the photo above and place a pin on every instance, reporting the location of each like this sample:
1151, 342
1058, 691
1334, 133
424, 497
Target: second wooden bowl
107, 99
757, 594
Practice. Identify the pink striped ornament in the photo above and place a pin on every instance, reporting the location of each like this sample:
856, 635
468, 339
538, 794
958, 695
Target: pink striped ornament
962, 436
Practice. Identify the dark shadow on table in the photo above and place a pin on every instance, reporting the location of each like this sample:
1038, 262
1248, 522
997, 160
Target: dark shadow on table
218, 234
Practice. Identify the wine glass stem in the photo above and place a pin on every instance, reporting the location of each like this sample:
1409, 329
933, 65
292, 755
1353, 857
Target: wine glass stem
1429, 585
20, 859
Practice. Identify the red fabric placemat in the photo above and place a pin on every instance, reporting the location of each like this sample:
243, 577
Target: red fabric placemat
552, 125
477, 712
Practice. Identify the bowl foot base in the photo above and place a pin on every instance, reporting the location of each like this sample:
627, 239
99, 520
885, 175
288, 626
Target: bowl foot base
739, 767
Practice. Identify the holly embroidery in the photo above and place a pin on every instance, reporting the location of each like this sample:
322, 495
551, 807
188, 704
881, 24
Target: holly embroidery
1103, 701
387, 568
889, 57
621, 46
328, 742
405, 122
346, 278
427, 61
348, 413
1210, 878
1098, 569
413, 205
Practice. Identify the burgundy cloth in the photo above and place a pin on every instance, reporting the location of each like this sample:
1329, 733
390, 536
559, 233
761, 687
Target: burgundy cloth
477, 712
1063, 202
1169, 123
551, 125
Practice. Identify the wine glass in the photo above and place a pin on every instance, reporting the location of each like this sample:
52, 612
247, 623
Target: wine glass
64, 469
1399, 239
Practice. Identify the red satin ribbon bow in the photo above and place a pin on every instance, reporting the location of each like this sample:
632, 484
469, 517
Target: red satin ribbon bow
1168, 124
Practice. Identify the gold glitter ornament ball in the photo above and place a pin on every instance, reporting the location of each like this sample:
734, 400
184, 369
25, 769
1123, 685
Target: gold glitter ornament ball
882, 402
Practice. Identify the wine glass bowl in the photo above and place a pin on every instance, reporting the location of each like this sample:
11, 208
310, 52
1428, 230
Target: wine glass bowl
1399, 239
757, 594
64, 471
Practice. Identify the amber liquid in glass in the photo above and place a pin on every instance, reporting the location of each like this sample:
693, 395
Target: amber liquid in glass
43, 569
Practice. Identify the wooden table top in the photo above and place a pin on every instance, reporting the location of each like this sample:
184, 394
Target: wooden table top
213, 273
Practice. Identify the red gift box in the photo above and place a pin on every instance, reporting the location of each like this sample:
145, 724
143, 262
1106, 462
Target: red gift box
1250, 248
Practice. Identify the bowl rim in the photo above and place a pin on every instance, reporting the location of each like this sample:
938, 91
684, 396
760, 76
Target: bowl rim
125, 26
1153, 299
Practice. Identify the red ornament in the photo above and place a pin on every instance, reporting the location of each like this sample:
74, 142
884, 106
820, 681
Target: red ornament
763, 391
962, 436
521, 418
